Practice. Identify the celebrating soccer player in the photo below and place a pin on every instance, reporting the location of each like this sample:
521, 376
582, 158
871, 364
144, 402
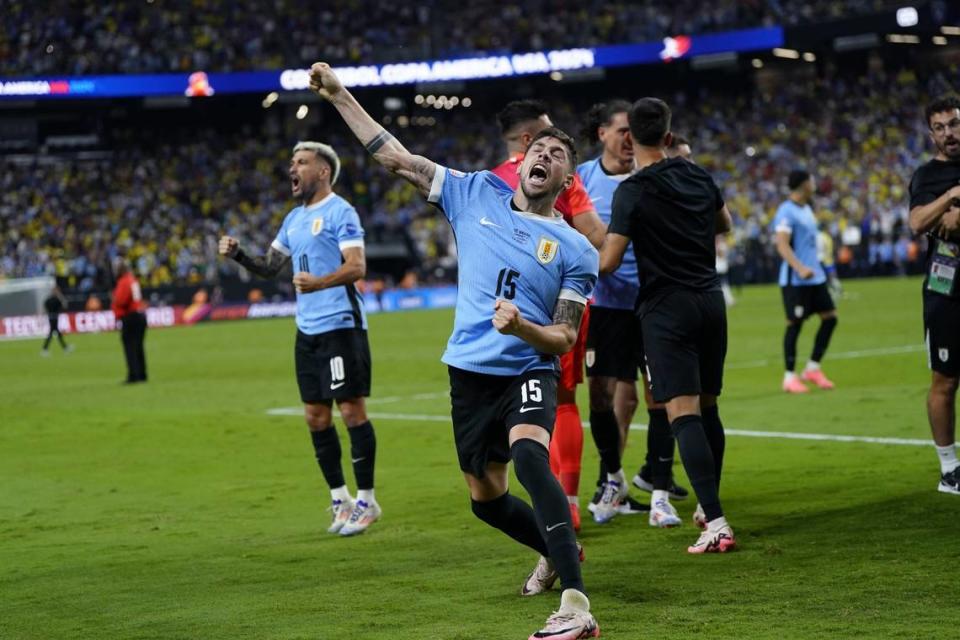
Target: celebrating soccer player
935, 210
803, 282
615, 346
671, 210
324, 239
524, 278
520, 122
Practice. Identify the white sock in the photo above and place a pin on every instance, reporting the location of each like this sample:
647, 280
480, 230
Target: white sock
812, 366
717, 523
366, 495
789, 375
659, 494
948, 458
340, 493
574, 500
617, 477
571, 599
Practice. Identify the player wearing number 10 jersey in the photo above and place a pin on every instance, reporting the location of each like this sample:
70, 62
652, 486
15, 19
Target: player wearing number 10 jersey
524, 279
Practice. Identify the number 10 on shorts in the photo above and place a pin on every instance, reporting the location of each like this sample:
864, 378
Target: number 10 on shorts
530, 391
337, 371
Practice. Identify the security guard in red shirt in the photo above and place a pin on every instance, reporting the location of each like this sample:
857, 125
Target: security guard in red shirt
128, 307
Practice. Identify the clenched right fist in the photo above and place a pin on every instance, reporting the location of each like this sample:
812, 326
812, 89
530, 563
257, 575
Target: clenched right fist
229, 246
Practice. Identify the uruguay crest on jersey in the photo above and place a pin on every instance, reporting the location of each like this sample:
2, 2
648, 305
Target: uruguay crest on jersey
317, 225
547, 250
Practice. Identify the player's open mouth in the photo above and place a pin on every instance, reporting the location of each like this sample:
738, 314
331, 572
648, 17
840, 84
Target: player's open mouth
295, 183
538, 174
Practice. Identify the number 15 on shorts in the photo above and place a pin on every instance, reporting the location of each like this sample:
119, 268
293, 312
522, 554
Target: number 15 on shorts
531, 392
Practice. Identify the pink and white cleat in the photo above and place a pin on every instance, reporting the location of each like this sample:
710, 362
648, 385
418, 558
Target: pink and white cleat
572, 622
792, 384
817, 377
364, 514
718, 539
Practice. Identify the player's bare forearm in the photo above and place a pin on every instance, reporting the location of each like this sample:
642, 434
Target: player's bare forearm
555, 339
266, 266
923, 219
591, 226
379, 142
353, 268
611, 252
782, 242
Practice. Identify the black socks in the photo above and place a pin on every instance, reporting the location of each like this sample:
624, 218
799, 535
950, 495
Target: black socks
515, 518
790, 345
532, 466
606, 435
822, 341
660, 449
713, 429
363, 453
698, 462
326, 444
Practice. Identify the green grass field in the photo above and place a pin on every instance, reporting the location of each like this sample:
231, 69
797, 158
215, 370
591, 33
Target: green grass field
181, 509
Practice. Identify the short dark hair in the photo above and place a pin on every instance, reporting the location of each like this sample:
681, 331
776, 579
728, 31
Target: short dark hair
600, 115
649, 121
946, 102
568, 142
679, 140
520, 111
797, 177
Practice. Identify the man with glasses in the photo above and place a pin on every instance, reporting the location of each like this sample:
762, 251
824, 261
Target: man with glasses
935, 211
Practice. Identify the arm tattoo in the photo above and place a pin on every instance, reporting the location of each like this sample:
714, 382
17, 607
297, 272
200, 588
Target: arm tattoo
264, 266
378, 141
569, 313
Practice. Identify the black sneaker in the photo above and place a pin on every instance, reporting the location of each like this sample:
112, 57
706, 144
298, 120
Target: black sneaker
631, 507
642, 481
950, 482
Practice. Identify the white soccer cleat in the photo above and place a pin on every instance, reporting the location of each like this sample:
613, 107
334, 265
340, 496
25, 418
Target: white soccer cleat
341, 514
364, 514
663, 515
714, 540
572, 621
699, 517
543, 576
610, 499
950, 482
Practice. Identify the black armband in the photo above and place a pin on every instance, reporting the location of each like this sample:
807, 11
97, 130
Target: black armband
378, 141
239, 256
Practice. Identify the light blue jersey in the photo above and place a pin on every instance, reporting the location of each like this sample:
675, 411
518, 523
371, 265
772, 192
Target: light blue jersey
313, 237
801, 224
528, 259
617, 290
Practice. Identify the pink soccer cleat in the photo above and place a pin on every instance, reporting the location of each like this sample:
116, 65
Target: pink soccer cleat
794, 385
718, 540
818, 378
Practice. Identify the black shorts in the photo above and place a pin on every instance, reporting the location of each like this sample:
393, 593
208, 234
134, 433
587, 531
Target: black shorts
614, 344
800, 303
333, 366
685, 339
941, 325
484, 409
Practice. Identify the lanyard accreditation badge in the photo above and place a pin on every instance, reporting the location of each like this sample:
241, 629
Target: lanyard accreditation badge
942, 278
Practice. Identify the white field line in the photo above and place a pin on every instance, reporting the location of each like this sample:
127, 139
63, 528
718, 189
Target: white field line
783, 435
840, 355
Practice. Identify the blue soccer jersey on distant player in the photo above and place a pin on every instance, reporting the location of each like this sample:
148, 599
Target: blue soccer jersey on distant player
528, 259
617, 290
313, 237
801, 224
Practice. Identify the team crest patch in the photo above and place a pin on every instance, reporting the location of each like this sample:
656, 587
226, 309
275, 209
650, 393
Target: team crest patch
944, 354
591, 357
317, 225
547, 250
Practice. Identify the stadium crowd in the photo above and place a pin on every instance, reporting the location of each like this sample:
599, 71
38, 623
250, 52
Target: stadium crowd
162, 201
148, 36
